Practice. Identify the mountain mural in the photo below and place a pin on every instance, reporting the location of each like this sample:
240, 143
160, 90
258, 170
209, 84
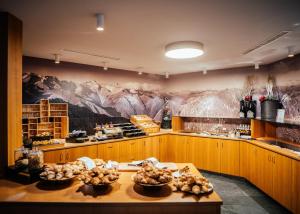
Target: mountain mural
92, 102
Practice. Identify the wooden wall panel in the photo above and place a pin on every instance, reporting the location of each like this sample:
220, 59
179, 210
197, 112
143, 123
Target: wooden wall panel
11, 87
177, 123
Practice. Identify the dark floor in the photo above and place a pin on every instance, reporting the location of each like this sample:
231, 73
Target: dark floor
239, 196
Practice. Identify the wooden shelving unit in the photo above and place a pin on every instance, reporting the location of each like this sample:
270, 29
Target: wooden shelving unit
45, 117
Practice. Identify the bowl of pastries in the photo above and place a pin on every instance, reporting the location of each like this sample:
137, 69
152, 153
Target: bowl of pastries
150, 176
189, 183
99, 176
58, 173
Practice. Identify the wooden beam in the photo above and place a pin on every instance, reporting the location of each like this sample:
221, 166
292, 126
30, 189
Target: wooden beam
11, 88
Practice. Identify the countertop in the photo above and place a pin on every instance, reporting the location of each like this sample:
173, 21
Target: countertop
123, 191
286, 152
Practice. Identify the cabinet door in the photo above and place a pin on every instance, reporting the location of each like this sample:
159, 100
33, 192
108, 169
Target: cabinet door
212, 155
138, 149
191, 152
282, 180
253, 164
197, 152
87, 151
244, 160
109, 151
230, 157
152, 147
261, 168
180, 149
265, 171
132, 150
164, 147
296, 186
171, 148
56, 156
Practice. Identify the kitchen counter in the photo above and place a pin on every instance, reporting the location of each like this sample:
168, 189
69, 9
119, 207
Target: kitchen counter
123, 196
260, 143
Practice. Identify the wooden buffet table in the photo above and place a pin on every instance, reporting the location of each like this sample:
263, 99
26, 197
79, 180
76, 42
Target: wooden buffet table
121, 197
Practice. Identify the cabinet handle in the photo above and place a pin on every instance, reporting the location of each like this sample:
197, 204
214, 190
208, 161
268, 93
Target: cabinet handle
61, 157
217, 144
67, 156
109, 147
222, 144
269, 158
274, 160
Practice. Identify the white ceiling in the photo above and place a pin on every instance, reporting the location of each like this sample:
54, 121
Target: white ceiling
136, 31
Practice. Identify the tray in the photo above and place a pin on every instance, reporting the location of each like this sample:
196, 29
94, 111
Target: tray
124, 167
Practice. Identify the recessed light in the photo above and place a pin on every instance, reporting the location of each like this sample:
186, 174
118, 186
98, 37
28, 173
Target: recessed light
100, 21
256, 65
140, 73
184, 50
204, 71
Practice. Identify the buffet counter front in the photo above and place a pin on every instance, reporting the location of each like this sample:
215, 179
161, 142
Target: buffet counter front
123, 196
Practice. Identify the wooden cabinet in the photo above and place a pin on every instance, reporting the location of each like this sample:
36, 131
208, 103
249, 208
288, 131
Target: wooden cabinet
180, 149
230, 157
272, 173
211, 157
73, 154
282, 180
197, 152
109, 151
152, 147
295, 186
55, 156
244, 160
131, 150
164, 148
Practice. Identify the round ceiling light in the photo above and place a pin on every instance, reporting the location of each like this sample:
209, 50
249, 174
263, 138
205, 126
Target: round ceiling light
184, 50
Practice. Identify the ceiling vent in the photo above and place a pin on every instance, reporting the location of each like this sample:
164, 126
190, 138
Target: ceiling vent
90, 54
267, 41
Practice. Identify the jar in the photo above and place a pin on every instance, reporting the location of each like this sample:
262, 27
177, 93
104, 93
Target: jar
35, 159
21, 157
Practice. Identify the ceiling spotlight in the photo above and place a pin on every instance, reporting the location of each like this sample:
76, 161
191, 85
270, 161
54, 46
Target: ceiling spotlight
291, 52
167, 75
140, 73
105, 66
100, 21
56, 58
204, 71
184, 50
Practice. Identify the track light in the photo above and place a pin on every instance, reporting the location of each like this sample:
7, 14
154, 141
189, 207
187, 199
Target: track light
100, 22
167, 75
139, 70
256, 65
291, 52
105, 68
56, 58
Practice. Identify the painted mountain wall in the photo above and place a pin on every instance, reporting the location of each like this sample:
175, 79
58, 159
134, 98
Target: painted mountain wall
98, 96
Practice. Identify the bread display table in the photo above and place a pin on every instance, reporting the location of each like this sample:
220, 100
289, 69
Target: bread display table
121, 197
